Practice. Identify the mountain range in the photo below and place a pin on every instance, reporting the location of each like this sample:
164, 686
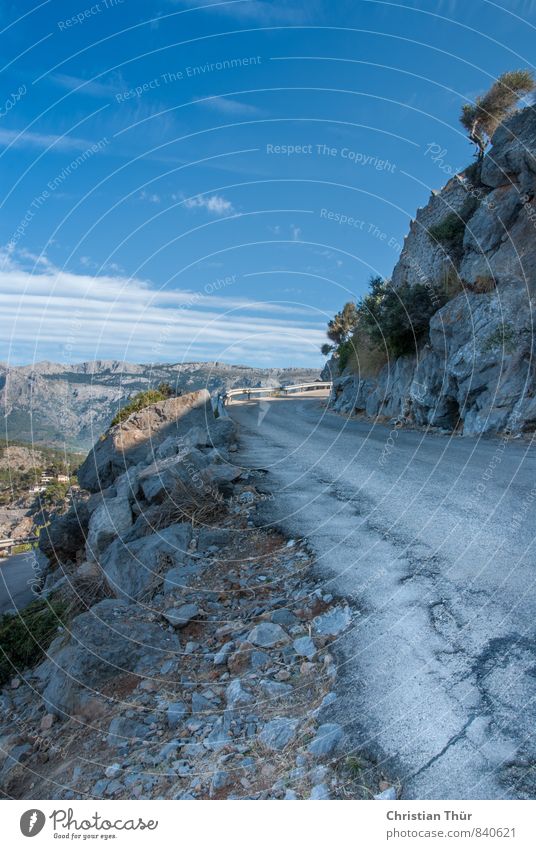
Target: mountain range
73, 404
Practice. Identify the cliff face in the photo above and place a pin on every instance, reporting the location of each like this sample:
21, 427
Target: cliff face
475, 370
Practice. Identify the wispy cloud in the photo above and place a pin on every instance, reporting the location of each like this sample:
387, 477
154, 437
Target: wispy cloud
228, 106
215, 204
94, 88
20, 138
262, 11
151, 197
49, 312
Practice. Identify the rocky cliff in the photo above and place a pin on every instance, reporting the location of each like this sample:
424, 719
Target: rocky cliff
73, 404
475, 370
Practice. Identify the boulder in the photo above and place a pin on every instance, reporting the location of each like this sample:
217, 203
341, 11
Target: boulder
214, 538
222, 473
124, 732
278, 732
319, 791
65, 536
333, 622
327, 740
236, 694
137, 438
511, 157
105, 642
181, 576
221, 432
175, 713
161, 478
386, 795
179, 617
267, 634
284, 616
133, 568
127, 484
304, 647
113, 518
148, 522
215, 433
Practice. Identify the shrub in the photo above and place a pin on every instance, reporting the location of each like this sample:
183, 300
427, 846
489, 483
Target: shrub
344, 351
449, 231
142, 400
25, 636
56, 494
489, 110
473, 174
398, 318
389, 321
22, 548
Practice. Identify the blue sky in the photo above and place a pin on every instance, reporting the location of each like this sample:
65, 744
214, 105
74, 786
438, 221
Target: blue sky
197, 181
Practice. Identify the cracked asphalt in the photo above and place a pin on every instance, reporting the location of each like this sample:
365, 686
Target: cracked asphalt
433, 539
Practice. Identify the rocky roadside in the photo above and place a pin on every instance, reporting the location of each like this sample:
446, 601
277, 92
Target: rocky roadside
202, 665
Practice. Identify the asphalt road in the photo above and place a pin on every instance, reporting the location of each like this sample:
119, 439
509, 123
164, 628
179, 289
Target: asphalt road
15, 574
433, 538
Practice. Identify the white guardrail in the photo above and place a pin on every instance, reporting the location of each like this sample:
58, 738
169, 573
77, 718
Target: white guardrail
274, 391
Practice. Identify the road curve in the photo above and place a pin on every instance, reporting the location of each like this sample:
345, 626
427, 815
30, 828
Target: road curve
433, 537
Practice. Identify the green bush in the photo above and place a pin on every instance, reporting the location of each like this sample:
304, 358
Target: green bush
22, 548
56, 493
389, 322
450, 231
142, 400
397, 319
473, 174
25, 636
344, 351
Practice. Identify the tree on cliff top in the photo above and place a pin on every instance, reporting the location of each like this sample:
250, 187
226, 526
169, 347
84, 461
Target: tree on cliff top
489, 110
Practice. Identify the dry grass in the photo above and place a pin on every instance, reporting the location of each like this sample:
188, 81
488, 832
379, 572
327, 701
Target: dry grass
484, 284
86, 591
365, 358
188, 503
450, 282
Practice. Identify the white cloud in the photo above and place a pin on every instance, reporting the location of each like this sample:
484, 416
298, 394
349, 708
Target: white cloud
228, 106
94, 88
215, 204
20, 138
151, 197
50, 313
